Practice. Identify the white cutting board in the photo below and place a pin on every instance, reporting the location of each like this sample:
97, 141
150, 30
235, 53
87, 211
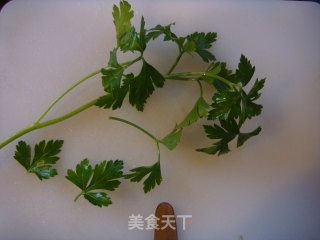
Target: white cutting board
268, 189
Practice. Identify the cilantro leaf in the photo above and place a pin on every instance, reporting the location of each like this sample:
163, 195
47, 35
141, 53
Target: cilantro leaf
45, 156
199, 43
104, 176
127, 38
154, 176
143, 85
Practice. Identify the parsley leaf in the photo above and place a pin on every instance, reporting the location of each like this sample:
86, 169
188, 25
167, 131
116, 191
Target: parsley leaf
143, 85
243, 137
154, 176
112, 101
172, 139
45, 155
127, 38
220, 69
226, 104
199, 43
111, 81
199, 110
112, 74
249, 107
158, 30
245, 71
104, 176
140, 87
142, 36
254, 93
225, 133
233, 103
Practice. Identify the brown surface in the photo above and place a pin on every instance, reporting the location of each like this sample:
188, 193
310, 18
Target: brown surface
169, 232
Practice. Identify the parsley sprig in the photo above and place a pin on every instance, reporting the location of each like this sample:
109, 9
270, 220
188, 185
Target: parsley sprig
104, 176
45, 156
234, 101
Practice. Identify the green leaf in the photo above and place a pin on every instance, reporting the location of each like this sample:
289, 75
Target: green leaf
23, 154
112, 74
98, 198
231, 103
109, 101
82, 174
127, 38
45, 156
254, 92
224, 133
200, 43
159, 30
154, 176
115, 100
249, 107
104, 176
172, 139
245, 71
215, 67
220, 69
243, 137
226, 104
199, 110
143, 85
142, 36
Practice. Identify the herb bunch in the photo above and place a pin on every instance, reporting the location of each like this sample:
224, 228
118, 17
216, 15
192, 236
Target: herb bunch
233, 102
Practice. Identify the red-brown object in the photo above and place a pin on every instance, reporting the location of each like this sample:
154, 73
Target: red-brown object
167, 227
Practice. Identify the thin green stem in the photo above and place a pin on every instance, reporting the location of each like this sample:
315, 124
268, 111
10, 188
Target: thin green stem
79, 195
158, 149
38, 124
131, 62
176, 62
201, 89
136, 126
194, 76
82, 80
47, 123
65, 93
